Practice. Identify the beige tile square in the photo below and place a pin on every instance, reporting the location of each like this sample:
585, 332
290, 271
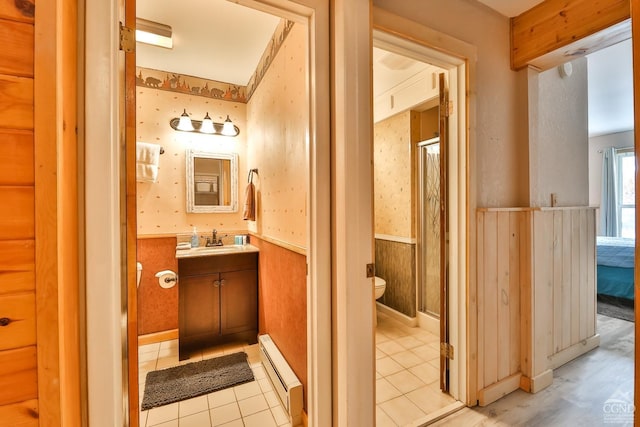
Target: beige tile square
382, 419
148, 366
387, 366
172, 423
201, 419
402, 411
224, 414
272, 399
407, 359
428, 399
168, 352
265, 385
380, 337
252, 405
426, 372
426, 352
259, 373
261, 419
409, 342
167, 362
405, 381
385, 391
143, 418
149, 348
380, 354
169, 344
235, 423
193, 406
220, 398
390, 347
162, 414
280, 416
147, 357
246, 390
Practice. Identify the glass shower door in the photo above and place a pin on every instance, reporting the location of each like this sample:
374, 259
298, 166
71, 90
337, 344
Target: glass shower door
430, 244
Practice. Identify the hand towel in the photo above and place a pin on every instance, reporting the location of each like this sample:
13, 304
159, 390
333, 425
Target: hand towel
147, 159
249, 211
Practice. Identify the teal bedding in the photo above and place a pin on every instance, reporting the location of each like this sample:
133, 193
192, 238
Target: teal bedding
615, 268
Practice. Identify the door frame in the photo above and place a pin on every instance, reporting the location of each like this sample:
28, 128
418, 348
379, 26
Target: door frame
104, 154
409, 38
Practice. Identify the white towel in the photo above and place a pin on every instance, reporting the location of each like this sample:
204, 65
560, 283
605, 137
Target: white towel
147, 159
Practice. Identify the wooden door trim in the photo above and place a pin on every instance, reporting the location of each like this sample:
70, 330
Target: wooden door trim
56, 214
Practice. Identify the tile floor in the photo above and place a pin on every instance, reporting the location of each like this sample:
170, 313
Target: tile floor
407, 374
246, 405
407, 384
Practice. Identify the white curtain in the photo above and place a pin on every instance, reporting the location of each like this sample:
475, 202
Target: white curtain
609, 204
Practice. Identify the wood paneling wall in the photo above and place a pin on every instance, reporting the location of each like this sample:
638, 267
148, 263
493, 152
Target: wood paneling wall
39, 294
536, 295
18, 351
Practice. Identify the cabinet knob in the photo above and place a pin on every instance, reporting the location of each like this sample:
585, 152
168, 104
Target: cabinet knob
223, 282
216, 283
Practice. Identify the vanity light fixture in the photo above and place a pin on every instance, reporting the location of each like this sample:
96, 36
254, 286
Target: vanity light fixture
207, 126
154, 33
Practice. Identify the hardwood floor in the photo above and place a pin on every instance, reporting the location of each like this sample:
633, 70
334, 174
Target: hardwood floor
592, 390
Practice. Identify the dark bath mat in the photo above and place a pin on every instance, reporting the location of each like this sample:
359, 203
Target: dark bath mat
620, 308
195, 379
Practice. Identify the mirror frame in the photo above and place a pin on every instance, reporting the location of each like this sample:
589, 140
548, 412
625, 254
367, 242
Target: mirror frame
191, 207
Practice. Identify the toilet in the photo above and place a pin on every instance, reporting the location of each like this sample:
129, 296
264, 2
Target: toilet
380, 286
138, 274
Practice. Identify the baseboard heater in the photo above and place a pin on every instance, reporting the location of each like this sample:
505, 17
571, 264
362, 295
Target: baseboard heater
284, 380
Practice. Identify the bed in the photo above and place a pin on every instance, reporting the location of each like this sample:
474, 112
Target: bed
615, 266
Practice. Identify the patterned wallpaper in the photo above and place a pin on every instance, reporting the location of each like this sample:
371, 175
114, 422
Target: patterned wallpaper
394, 174
162, 205
277, 121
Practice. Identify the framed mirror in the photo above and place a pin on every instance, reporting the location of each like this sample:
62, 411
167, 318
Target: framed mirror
212, 182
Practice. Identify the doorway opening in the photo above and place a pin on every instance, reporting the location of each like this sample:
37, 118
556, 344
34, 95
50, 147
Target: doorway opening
286, 76
412, 182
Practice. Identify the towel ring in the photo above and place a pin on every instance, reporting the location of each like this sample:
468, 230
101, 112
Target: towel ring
250, 176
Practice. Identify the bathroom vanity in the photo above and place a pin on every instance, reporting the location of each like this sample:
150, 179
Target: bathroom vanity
217, 297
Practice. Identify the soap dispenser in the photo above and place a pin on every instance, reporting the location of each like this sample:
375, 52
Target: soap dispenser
194, 239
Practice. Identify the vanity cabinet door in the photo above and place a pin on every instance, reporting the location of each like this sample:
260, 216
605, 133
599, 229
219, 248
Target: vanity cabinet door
239, 296
199, 308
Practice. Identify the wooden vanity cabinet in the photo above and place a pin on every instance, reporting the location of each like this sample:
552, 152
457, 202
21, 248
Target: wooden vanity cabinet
217, 301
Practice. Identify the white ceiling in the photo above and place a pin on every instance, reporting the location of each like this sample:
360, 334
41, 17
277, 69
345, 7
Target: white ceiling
211, 41
210, 38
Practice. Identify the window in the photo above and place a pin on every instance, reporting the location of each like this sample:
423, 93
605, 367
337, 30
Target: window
626, 165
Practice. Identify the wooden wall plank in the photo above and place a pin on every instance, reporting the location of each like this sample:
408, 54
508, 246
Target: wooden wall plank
20, 309
554, 24
542, 250
558, 262
16, 281
575, 277
526, 296
17, 255
16, 102
16, 56
23, 414
22, 11
503, 297
591, 273
566, 279
17, 222
16, 162
583, 318
480, 274
515, 258
491, 300
18, 375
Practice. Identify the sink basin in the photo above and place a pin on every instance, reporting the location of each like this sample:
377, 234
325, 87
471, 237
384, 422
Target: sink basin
214, 250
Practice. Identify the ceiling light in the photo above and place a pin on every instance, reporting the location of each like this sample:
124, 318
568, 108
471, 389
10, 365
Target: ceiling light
184, 123
153, 33
208, 126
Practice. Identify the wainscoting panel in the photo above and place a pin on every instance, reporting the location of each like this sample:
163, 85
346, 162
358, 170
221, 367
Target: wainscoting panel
396, 263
